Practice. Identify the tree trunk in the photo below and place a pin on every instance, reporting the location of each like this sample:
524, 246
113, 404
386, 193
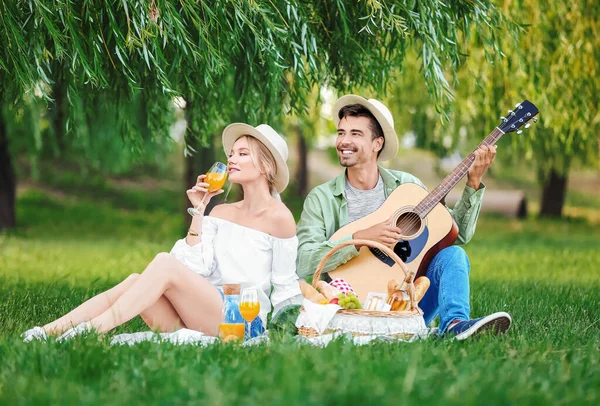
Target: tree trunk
553, 194
59, 116
8, 181
302, 171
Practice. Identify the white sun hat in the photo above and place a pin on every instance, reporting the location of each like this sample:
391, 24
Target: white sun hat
271, 139
382, 115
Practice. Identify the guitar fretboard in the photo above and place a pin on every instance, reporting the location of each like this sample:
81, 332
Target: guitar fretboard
437, 194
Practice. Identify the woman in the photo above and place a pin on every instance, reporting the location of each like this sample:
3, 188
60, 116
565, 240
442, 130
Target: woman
252, 242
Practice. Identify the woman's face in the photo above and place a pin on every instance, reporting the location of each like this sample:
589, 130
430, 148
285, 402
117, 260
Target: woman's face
240, 166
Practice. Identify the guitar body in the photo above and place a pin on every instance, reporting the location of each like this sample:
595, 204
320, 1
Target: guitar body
371, 270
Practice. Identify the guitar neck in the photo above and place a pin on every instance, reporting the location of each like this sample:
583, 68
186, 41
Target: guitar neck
437, 194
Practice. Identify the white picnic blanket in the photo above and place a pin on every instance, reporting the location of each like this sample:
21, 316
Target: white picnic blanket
186, 336
179, 337
183, 336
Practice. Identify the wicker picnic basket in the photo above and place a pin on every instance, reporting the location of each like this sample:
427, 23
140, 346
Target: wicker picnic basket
400, 324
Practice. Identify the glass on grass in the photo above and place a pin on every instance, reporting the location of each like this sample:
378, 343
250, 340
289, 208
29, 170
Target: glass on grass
249, 307
215, 177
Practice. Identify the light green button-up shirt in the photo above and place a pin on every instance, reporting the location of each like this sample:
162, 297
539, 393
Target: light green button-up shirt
326, 211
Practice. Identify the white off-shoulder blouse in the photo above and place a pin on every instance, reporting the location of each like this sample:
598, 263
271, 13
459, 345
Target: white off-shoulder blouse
231, 253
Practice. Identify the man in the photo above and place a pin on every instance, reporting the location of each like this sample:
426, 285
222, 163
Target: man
366, 134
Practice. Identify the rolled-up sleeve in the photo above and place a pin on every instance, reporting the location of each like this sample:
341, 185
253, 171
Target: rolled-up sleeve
313, 241
466, 212
200, 258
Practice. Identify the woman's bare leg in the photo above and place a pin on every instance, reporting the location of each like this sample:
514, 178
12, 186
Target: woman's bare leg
161, 316
90, 308
196, 301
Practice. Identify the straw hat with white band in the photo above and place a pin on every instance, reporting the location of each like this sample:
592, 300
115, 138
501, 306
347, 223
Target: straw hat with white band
271, 139
382, 115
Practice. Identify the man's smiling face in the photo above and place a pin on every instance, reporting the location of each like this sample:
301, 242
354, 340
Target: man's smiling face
355, 144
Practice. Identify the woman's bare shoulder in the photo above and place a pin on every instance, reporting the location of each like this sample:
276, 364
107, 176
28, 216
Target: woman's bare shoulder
223, 211
283, 224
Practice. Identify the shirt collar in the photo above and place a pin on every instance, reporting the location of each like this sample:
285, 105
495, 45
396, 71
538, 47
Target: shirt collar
339, 185
388, 180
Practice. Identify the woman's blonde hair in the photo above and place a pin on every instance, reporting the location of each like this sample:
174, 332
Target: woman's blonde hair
264, 161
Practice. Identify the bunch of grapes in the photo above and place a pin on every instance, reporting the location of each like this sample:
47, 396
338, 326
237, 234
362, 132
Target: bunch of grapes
349, 301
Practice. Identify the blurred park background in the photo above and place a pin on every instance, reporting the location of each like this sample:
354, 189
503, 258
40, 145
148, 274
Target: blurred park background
135, 96
110, 109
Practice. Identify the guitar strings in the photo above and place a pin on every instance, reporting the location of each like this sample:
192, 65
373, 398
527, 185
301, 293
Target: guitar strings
490, 140
412, 218
415, 218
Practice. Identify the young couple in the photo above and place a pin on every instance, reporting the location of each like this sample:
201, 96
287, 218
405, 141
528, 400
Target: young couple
253, 242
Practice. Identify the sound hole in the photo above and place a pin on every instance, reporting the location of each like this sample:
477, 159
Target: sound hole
409, 223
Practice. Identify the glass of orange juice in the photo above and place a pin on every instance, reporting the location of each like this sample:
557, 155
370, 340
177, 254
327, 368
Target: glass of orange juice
249, 306
215, 177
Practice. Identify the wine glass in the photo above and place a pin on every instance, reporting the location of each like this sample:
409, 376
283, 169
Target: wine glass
215, 177
249, 307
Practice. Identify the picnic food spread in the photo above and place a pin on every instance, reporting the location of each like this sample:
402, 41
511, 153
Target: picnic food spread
330, 292
339, 292
345, 311
311, 293
349, 301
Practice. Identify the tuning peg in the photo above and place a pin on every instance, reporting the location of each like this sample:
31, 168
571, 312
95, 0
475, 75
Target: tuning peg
503, 118
519, 132
535, 119
527, 125
510, 112
517, 105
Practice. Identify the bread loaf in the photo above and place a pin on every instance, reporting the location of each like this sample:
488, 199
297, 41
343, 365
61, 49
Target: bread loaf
421, 285
330, 292
311, 293
393, 286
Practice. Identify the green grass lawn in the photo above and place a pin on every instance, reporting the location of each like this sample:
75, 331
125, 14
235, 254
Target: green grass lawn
544, 273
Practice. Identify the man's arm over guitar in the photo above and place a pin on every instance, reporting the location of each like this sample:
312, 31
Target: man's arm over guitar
313, 241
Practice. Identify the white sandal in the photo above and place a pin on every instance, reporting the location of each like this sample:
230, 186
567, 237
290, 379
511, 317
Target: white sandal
81, 328
36, 333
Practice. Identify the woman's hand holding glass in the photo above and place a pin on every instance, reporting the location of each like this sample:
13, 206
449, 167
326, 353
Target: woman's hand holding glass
206, 187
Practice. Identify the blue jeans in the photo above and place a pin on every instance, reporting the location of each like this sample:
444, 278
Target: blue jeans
448, 294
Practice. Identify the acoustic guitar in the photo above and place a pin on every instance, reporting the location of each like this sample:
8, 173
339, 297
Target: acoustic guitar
426, 224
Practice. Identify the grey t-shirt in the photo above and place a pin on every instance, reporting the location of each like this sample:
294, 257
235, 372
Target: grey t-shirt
363, 202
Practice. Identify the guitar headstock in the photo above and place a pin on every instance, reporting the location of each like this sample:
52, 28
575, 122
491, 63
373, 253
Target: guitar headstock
519, 117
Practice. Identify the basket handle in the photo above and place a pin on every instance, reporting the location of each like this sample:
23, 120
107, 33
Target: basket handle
408, 279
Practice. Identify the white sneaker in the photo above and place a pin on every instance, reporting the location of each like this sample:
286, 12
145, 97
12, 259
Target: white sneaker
36, 333
81, 328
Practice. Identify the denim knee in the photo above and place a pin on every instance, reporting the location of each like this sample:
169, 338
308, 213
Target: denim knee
454, 255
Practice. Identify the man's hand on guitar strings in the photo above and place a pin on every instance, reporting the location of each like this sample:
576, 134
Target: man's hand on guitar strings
386, 233
484, 156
